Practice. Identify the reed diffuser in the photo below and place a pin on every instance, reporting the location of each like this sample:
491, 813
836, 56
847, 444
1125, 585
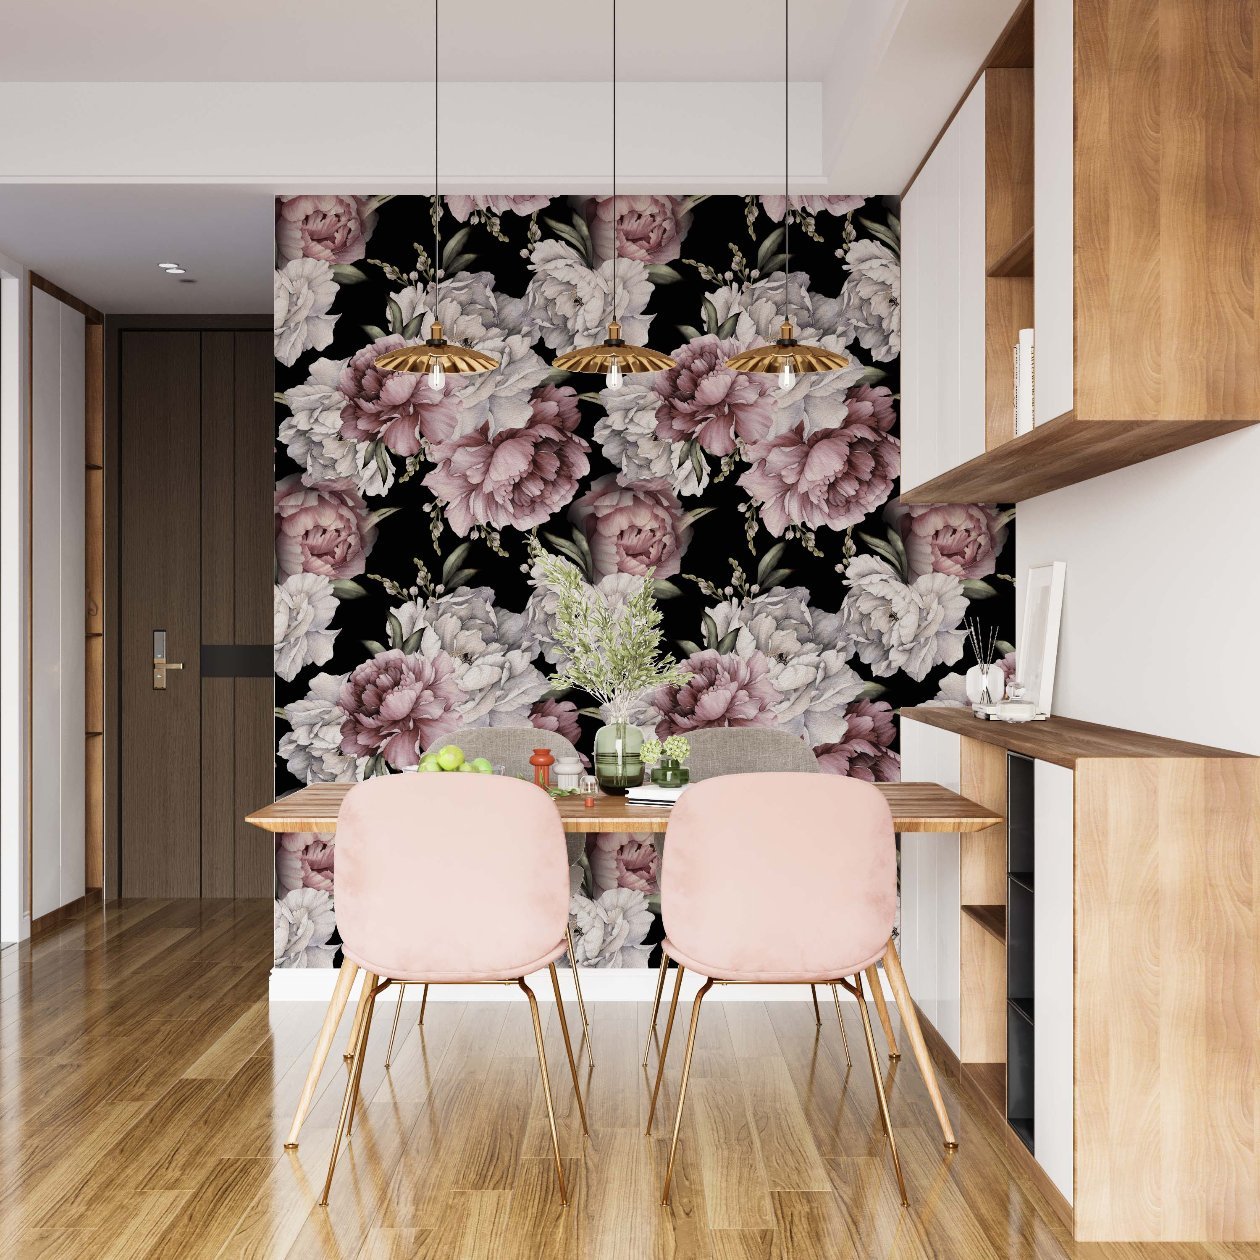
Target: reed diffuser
985, 680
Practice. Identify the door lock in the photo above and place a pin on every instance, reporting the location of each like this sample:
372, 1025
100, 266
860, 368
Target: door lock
160, 663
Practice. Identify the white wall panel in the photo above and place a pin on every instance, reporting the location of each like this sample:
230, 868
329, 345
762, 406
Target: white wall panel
970, 437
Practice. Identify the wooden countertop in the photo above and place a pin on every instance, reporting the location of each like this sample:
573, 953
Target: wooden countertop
915, 807
1063, 741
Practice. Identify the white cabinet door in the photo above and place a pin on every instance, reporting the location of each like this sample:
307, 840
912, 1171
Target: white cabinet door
930, 913
970, 431
1053, 972
1053, 119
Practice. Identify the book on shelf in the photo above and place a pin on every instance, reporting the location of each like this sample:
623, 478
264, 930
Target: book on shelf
1023, 382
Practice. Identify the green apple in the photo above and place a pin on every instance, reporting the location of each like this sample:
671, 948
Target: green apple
467, 768
451, 757
481, 765
429, 764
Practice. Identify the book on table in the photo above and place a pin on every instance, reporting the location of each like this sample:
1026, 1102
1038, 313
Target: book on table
654, 794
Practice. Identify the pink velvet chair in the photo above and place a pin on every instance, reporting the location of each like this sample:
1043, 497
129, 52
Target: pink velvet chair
451, 879
815, 906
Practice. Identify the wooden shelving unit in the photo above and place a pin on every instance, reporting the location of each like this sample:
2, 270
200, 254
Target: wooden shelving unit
991, 918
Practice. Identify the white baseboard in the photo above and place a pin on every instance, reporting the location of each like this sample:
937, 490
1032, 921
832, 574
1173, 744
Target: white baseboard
315, 984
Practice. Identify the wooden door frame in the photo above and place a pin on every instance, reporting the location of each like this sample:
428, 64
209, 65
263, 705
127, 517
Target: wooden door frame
114, 326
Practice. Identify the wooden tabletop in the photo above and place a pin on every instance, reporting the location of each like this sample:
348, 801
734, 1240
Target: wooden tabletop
915, 807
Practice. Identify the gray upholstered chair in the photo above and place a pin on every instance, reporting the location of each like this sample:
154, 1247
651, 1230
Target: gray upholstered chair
509, 747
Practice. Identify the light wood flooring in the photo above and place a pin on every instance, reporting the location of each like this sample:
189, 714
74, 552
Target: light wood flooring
146, 1087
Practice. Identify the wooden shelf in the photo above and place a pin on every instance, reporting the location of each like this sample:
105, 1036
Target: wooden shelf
1063, 741
989, 1081
1017, 261
991, 918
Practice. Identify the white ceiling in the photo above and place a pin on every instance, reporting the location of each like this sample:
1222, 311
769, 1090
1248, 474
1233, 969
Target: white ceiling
121, 149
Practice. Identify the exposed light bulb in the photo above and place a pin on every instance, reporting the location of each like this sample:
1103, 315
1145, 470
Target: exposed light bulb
787, 375
437, 375
613, 378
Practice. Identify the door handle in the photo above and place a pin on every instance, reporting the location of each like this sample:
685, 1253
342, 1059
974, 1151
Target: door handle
160, 663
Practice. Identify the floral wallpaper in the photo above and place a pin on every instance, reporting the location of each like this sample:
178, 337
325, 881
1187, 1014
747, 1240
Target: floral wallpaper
796, 588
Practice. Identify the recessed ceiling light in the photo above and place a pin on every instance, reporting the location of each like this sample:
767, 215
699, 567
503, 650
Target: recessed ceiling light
168, 266
174, 271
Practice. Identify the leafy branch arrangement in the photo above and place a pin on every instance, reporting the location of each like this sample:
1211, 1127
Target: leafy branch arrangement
614, 655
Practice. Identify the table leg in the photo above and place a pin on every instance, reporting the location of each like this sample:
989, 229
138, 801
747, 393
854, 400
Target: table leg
336, 1006
910, 1026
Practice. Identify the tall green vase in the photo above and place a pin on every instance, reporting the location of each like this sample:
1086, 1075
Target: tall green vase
618, 766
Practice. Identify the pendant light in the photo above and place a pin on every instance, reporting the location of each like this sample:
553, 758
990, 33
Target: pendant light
612, 356
787, 356
436, 356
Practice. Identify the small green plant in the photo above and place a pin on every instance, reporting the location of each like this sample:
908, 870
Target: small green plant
651, 752
676, 748
613, 654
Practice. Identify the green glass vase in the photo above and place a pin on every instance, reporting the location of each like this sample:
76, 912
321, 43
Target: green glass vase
618, 766
670, 773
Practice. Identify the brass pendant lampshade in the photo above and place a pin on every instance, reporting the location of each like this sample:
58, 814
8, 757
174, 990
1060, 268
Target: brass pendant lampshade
612, 356
787, 356
436, 356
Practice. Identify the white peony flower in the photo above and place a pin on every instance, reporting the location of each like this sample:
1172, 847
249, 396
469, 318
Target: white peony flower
951, 694
312, 434
473, 313
805, 651
303, 610
487, 646
610, 932
870, 302
303, 292
899, 628
627, 433
312, 748
568, 304
302, 925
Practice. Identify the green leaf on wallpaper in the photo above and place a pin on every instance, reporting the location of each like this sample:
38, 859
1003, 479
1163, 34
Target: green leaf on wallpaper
711, 320
461, 577
769, 560
871, 691
383, 466
557, 376
454, 560
280, 398
570, 552
688, 647
727, 327
412, 327
662, 273
396, 321
776, 577
374, 648
579, 541
711, 635
344, 273
973, 588
872, 375
591, 397
727, 642
777, 263
396, 635
690, 203
769, 247
568, 235
453, 244
698, 465
556, 693
584, 231
381, 514
695, 514
689, 332
373, 331
886, 551
1005, 648
883, 234
345, 588
894, 223
461, 262
280, 713
662, 588
412, 641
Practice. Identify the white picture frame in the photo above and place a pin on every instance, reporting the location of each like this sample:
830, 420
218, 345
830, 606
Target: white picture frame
1038, 647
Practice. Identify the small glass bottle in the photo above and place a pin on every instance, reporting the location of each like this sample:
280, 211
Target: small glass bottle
542, 761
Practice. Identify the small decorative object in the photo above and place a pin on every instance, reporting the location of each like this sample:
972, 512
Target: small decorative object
985, 679
1039, 638
542, 761
614, 655
568, 773
666, 761
588, 787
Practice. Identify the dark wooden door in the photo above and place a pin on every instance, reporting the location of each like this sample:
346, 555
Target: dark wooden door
195, 490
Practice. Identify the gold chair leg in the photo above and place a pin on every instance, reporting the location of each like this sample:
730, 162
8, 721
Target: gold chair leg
393, 1032
682, 1088
365, 1028
881, 1009
577, 984
844, 1036
656, 1005
546, 1083
660, 1065
813, 993
358, 1044
356, 1027
568, 1047
336, 1008
879, 1087
424, 1001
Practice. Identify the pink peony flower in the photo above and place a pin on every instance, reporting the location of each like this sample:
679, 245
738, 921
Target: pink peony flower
560, 716
521, 476
702, 398
722, 691
325, 529
963, 539
834, 477
775, 206
633, 529
332, 229
649, 229
865, 752
304, 860
395, 705
463, 206
621, 860
398, 408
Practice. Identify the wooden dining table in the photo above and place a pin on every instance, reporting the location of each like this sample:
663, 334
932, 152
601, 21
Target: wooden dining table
920, 807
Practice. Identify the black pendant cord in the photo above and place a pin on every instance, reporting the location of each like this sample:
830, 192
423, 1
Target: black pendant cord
787, 213
616, 250
437, 199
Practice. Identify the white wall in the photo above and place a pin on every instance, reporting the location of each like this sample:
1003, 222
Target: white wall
1161, 608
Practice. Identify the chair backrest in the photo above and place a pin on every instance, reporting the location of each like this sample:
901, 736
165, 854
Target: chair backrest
449, 876
779, 876
722, 750
507, 746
